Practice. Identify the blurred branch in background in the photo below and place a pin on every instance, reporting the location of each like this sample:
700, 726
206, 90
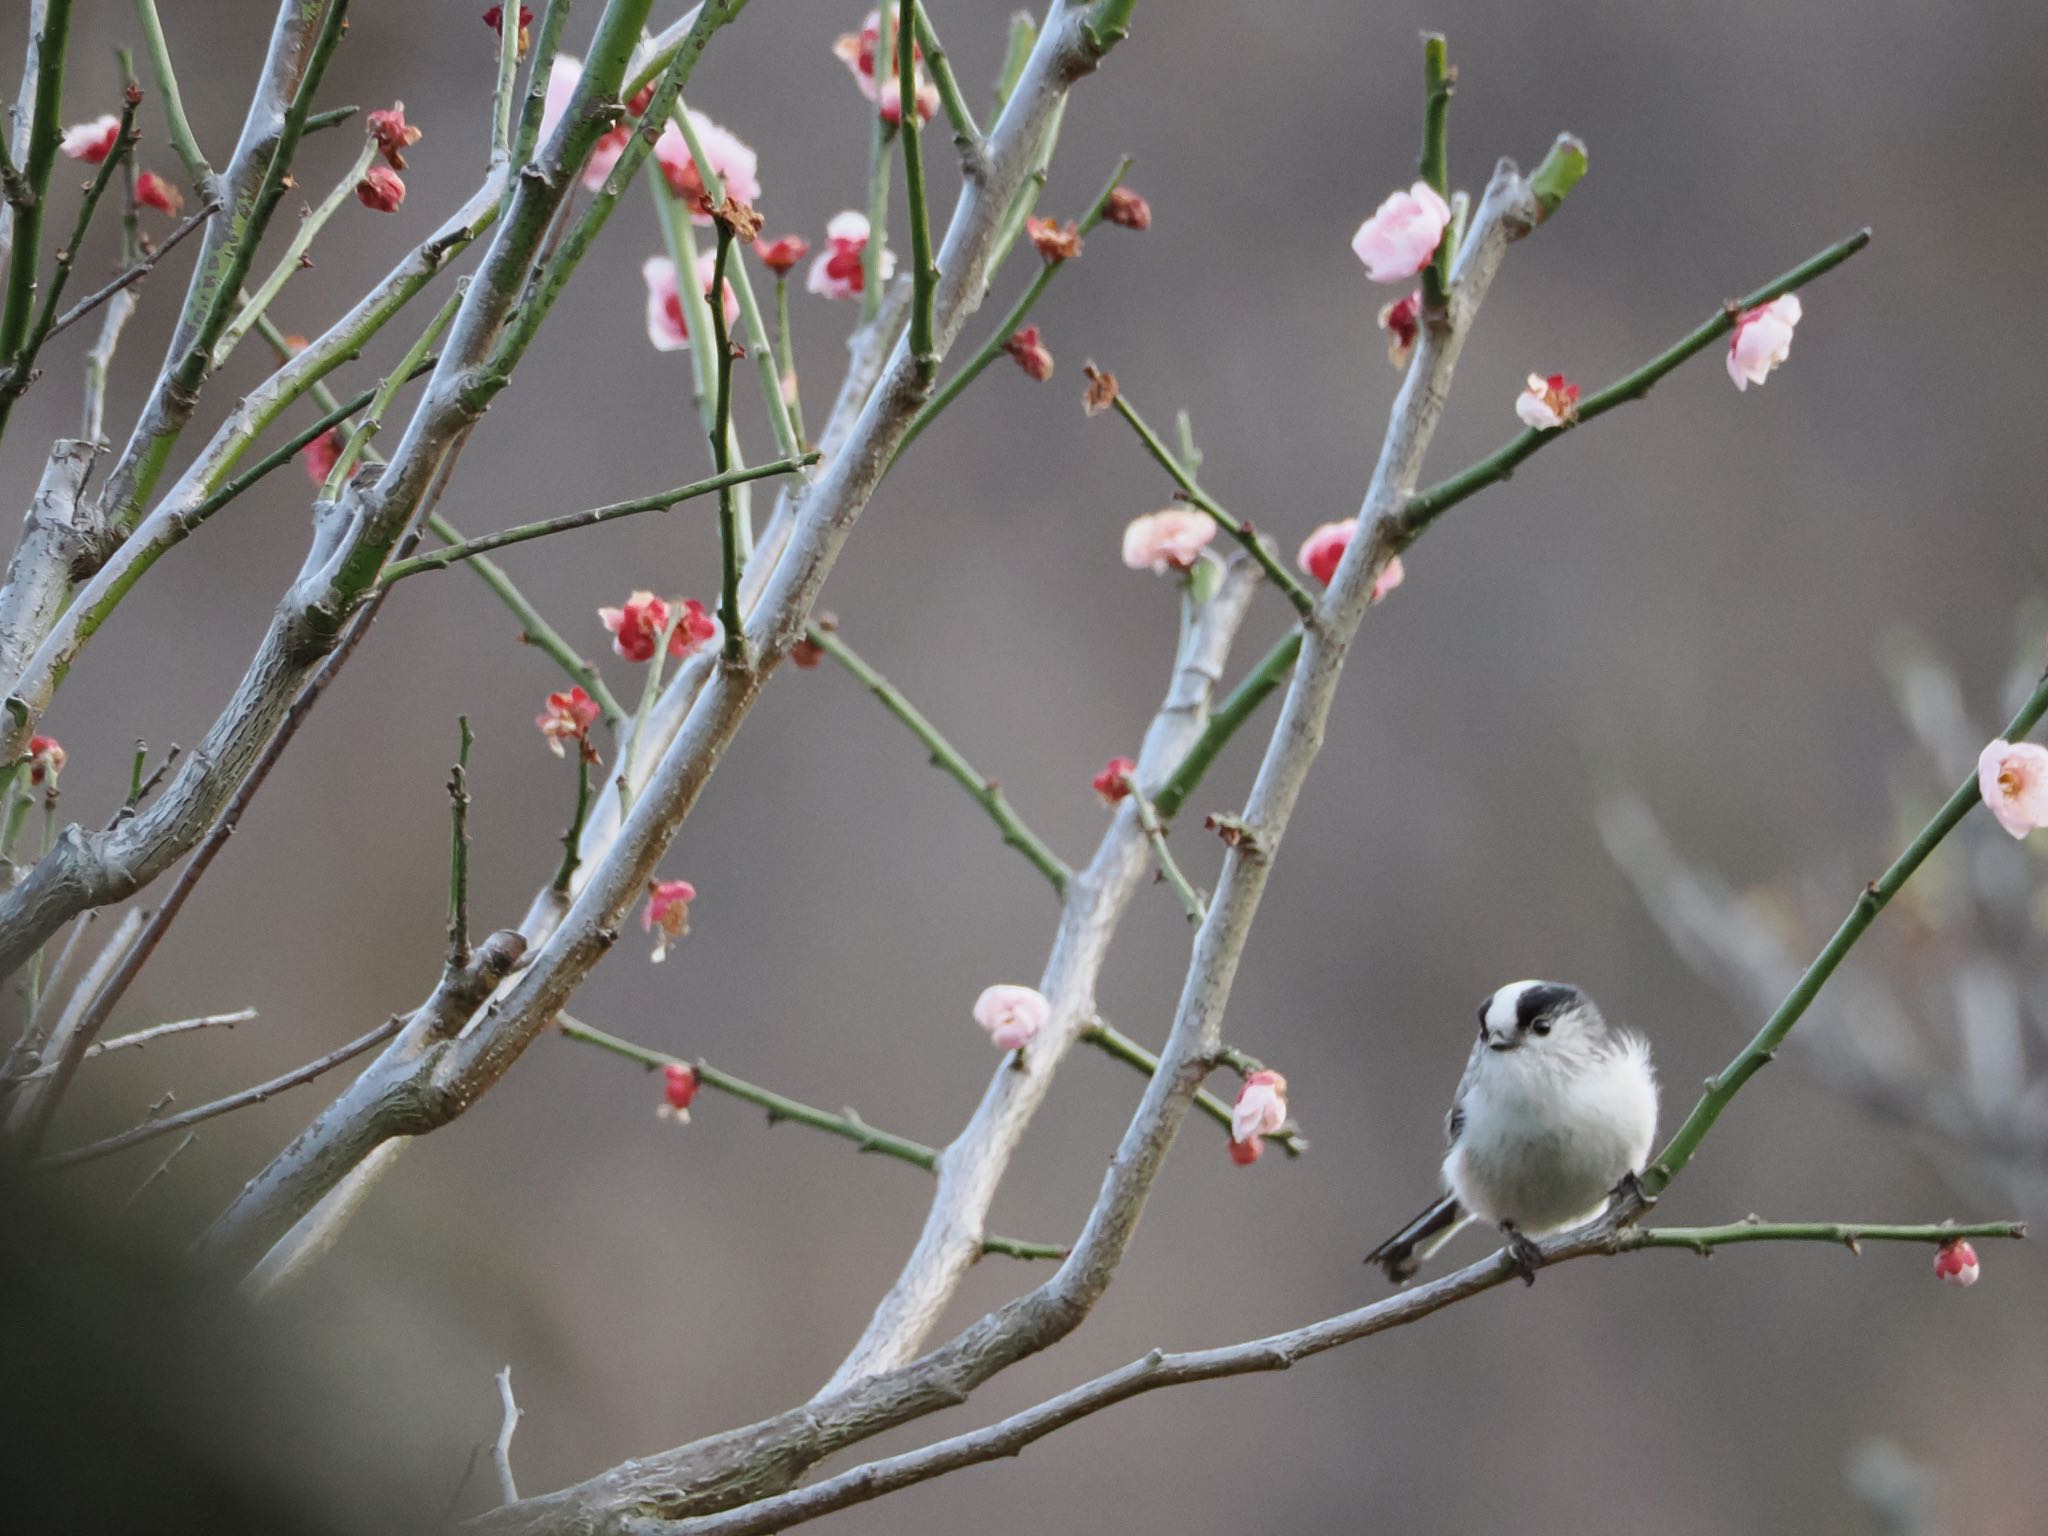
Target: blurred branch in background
1941, 1035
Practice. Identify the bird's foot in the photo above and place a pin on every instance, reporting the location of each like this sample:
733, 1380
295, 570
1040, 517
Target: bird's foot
1630, 1198
1524, 1257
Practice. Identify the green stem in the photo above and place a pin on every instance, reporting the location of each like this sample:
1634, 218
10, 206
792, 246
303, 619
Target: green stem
458, 853
45, 128
534, 630
758, 339
966, 136
1438, 78
1155, 834
1023, 37
508, 79
540, 62
846, 1125
293, 259
20, 371
572, 840
1850, 1235
728, 521
993, 348
1427, 506
1239, 530
387, 391
660, 501
986, 792
924, 272
878, 176
1223, 723
650, 690
333, 117
1724, 1085
184, 143
785, 358
1114, 1042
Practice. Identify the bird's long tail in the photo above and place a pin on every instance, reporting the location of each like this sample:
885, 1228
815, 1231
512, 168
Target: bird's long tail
1405, 1252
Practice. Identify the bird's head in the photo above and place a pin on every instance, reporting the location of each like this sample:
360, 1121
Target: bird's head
1536, 1013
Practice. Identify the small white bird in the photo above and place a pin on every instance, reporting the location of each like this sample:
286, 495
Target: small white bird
1555, 1111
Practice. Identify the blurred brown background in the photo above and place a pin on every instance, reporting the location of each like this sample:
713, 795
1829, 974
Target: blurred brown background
1686, 599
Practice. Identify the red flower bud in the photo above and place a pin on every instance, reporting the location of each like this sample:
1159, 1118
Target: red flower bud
380, 189
1127, 208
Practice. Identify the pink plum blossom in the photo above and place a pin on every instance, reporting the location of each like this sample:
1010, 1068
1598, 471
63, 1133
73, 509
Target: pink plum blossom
679, 1084
667, 912
1548, 403
152, 191
837, 272
1323, 550
2013, 777
1167, 541
857, 50
1261, 1107
91, 142
636, 628
733, 162
1402, 235
1013, 1016
666, 327
568, 717
1762, 340
1955, 1262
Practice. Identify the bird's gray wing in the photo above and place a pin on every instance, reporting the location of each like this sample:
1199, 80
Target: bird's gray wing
1454, 1122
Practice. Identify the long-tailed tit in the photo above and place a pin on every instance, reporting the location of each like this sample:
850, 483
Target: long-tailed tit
1555, 1111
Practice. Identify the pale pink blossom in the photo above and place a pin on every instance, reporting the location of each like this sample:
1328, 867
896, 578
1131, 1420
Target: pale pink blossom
666, 326
1548, 403
668, 913
568, 717
1013, 1016
2013, 777
1261, 1107
91, 142
1402, 322
837, 272
1172, 540
1402, 235
733, 162
857, 50
1323, 550
1955, 1262
1762, 340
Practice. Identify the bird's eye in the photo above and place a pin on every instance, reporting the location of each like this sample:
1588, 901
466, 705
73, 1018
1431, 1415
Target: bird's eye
1540, 1026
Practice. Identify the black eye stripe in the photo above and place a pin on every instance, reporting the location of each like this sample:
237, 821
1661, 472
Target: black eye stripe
1537, 1007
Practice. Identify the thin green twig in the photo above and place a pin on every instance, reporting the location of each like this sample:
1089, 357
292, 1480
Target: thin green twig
846, 1125
294, 258
992, 349
184, 143
1850, 1235
1242, 531
1114, 1042
1190, 899
735, 643
985, 792
966, 136
1438, 79
879, 161
924, 272
1426, 506
660, 501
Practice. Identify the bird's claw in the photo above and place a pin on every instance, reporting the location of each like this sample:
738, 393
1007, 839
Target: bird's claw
1629, 1196
1524, 1256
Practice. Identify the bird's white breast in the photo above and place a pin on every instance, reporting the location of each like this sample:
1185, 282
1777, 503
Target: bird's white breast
1547, 1134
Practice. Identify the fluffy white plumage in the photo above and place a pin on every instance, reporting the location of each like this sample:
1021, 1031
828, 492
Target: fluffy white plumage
1554, 1110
